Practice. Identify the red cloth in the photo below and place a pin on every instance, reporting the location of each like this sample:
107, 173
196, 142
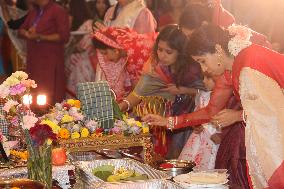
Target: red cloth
231, 154
137, 46
45, 60
221, 16
166, 19
261, 59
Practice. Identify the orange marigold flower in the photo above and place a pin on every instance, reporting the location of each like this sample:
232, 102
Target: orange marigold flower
63, 133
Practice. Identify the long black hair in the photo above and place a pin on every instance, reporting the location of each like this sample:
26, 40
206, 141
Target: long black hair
205, 39
96, 12
79, 12
177, 40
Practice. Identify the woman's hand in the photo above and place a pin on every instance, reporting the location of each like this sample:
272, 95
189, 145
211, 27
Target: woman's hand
155, 120
227, 117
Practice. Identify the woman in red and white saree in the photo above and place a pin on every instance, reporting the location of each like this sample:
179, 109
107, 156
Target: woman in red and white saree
258, 78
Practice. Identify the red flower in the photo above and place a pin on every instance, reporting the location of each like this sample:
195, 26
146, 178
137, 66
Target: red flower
40, 133
66, 106
99, 130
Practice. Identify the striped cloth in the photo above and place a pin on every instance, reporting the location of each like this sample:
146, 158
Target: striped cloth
3, 122
97, 102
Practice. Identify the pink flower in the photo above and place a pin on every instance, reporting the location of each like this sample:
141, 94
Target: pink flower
29, 83
4, 91
17, 89
8, 105
29, 121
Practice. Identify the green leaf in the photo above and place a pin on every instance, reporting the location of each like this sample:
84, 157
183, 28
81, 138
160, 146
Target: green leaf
103, 174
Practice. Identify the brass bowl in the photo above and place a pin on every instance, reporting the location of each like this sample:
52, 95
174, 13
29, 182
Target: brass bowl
179, 167
21, 183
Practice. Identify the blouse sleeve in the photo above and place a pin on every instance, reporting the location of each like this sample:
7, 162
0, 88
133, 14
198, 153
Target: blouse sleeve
62, 24
218, 100
145, 22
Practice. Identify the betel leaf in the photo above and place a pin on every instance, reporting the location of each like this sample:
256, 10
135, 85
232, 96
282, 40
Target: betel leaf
103, 174
116, 111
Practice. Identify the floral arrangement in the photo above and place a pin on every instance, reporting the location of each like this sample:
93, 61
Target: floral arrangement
129, 126
67, 121
38, 136
240, 40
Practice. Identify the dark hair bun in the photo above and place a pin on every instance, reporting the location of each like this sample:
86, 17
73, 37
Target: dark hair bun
205, 39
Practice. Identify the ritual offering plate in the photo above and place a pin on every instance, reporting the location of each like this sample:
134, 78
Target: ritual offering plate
21, 184
203, 179
176, 167
118, 172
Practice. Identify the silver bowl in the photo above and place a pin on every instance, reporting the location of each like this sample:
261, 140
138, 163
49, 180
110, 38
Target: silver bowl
179, 167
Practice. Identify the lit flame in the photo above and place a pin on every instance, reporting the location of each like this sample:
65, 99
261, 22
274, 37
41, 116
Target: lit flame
27, 99
41, 100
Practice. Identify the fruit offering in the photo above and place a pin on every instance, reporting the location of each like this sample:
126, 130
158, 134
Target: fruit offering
108, 173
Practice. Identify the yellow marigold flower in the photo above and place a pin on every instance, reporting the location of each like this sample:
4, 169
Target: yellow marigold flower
15, 188
67, 118
77, 104
85, 133
138, 123
75, 135
145, 130
63, 133
70, 102
124, 117
55, 128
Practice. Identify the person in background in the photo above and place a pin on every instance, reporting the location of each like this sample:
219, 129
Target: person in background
120, 56
98, 9
24, 5
132, 14
172, 14
79, 13
46, 30
78, 64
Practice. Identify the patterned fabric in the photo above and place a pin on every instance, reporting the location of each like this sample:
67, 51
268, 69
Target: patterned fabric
97, 102
3, 122
199, 147
137, 46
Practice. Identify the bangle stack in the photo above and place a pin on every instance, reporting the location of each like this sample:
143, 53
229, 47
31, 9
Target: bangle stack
172, 121
128, 104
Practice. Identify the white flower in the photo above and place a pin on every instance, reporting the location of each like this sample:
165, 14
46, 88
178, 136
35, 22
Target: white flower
4, 91
236, 45
241, 39
20, 75
29, 121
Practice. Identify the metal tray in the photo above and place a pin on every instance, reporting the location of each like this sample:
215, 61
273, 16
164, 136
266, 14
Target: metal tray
87, 167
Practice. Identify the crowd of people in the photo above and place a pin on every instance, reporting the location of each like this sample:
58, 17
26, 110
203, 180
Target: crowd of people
211, 89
